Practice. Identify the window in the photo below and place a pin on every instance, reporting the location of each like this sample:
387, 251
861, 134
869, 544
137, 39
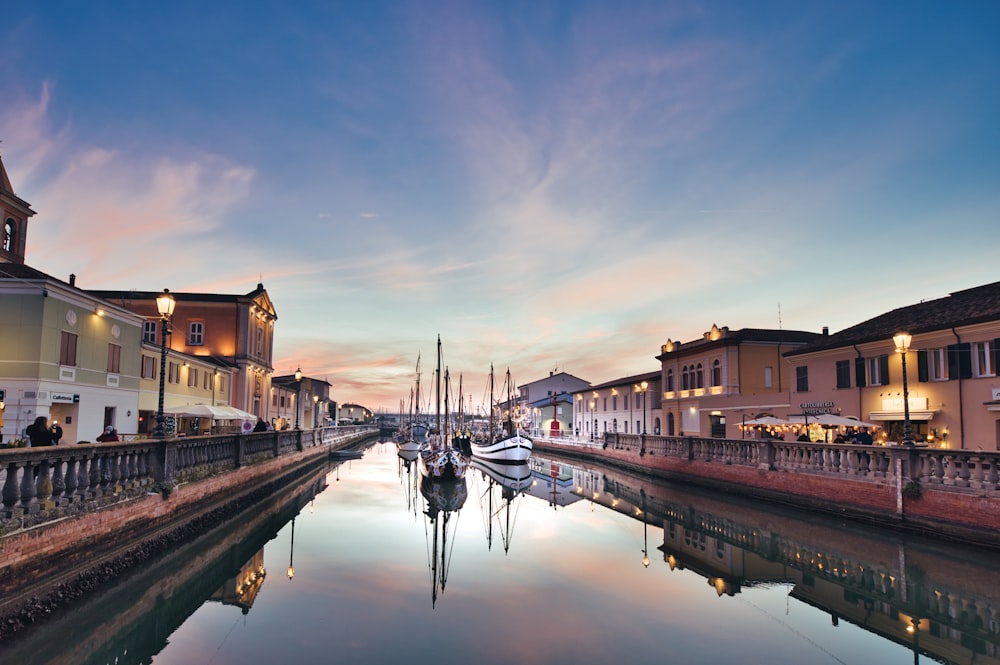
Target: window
843, 373
614, 406
717, 425
768, 377
149, 331
685, 378
802, 379
670, 380
716, 373
700, 375
173, 373
260, 340
625, 398
114, 358
877, 370
196, 333
148, 367
8, 235
982, 359
223, 382
274, 399
937, 365
192, 377
207, 385
67, 349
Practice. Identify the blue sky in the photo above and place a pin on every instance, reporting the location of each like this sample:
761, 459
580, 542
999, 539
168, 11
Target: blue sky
548, 185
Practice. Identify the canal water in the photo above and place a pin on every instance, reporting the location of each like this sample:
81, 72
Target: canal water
359, 563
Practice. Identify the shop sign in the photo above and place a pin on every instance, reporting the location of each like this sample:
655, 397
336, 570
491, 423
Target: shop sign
65, 398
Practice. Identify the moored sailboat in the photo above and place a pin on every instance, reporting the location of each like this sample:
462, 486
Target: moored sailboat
503, 443
438, 459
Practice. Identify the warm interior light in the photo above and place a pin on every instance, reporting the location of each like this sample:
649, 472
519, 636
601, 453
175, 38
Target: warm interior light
902, 341
165, 304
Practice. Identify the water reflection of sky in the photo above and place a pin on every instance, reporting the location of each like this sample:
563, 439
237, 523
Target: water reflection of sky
572, 588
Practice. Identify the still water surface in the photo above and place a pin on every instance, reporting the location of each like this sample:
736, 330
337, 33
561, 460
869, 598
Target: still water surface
588, 565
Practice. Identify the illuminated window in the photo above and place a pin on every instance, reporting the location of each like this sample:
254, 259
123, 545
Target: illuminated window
8, 236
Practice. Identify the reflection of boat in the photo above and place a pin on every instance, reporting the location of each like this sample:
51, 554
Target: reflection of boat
506, 443
443, 499
437, 458
505, 482
409, 478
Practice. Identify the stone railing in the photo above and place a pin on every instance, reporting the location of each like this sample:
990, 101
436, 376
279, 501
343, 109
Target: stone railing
42, 484
941, 468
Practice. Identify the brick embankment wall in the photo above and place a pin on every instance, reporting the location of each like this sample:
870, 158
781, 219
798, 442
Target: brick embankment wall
78, 539
954, 515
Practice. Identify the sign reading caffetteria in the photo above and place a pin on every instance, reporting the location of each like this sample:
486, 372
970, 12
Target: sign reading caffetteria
65, 398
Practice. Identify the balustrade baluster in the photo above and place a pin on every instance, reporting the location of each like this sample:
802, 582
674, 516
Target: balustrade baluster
11, 493
58, 484
105, 473
72, 479
29, 491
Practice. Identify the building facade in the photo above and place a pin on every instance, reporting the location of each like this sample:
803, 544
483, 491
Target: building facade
712, 384
630, 405
951, 391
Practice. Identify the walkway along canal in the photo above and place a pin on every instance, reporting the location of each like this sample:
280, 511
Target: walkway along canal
954, 494
66, 506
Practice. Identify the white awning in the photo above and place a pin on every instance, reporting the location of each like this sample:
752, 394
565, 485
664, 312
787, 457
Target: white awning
899, 415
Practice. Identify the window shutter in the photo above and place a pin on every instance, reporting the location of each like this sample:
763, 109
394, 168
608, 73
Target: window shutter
996, 356
923, 371
952, 361
883, 369
859, 372
965, 360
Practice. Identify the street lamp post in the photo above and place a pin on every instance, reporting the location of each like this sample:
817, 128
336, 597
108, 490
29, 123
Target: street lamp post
902, 341
593, 422
645, 386
298, 395
165, 306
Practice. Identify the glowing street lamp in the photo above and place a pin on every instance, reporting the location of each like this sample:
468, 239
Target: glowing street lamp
165, 306
902, 341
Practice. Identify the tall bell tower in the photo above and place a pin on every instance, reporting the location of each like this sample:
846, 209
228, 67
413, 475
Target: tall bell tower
14, 214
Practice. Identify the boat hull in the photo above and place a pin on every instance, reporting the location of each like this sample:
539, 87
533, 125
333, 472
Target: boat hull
514, 449
442, 464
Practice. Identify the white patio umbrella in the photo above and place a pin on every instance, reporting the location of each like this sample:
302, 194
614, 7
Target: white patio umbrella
767, 421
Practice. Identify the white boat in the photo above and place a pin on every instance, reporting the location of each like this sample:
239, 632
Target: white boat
504, 443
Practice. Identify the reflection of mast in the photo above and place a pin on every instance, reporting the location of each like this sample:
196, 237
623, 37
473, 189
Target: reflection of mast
443, 499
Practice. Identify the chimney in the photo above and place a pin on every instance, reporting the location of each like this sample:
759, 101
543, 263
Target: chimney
72, 279
826, 331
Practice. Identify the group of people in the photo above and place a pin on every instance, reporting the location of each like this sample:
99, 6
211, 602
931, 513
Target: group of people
41, 433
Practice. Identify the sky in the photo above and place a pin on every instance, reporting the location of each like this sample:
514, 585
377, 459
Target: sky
548, 186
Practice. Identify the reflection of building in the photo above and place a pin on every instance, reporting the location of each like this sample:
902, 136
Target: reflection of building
241, 590
920, 596
552, 481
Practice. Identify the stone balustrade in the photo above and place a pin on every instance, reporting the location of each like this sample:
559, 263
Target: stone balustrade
46, 483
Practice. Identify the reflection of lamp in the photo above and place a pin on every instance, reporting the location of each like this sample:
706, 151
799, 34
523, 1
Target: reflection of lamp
645, 545
165, 306
902, 341
298, 394
291, 553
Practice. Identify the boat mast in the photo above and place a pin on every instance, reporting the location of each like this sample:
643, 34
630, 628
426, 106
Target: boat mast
437, 386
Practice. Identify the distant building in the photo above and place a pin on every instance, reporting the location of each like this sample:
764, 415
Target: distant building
630, 405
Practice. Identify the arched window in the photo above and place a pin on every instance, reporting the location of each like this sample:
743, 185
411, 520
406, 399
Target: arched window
685, 378
716, 372
8, 235
700, 376
670, 424
656, 426
670, 380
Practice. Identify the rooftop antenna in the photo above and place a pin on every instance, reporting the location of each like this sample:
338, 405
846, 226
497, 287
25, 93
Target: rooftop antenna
779, 315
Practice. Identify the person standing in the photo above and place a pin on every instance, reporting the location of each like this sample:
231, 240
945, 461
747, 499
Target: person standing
56, 431
38, 432
109, 434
